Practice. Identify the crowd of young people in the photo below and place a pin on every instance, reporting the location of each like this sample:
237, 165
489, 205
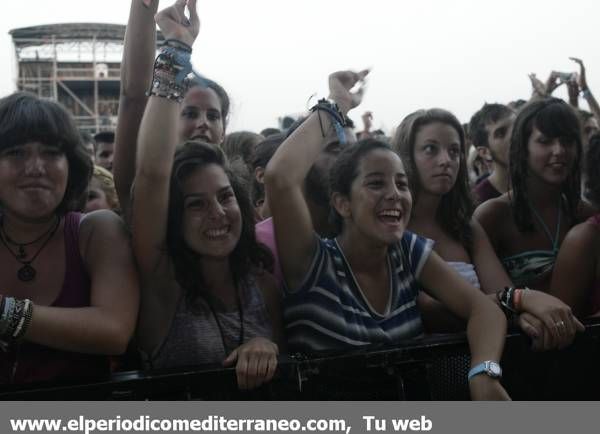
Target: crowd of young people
209, 247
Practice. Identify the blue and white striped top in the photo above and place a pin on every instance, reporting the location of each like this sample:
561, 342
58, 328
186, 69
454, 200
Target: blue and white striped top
329, 311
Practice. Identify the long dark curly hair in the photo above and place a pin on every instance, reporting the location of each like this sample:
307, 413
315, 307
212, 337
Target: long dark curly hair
248, 256
555, 119
456, 207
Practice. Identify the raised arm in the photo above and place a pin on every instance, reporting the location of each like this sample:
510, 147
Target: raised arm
285, 174
543, 90
156, 147
586, 92
136, 74
367, 119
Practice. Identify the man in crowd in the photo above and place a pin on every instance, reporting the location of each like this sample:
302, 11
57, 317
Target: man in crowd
491, 128
104, 149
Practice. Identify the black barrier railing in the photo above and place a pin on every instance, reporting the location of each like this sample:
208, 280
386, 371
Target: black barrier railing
430, 368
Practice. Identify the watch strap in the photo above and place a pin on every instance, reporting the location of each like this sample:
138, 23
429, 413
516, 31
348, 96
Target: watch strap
485, 368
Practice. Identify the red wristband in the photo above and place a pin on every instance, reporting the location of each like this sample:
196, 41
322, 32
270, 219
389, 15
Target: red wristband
518, 293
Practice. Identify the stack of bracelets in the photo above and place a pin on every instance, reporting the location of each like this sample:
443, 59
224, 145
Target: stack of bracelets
171, 69
510, 300
337, 118
15, 317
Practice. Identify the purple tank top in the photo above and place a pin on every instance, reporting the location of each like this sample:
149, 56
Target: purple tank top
31, 362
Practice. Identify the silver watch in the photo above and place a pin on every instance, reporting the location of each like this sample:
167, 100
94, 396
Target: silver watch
489, 367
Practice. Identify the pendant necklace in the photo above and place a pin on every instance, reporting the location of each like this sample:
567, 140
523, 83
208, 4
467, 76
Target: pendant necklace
27, 273
21, 246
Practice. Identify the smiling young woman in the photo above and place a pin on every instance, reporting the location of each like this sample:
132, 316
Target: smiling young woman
69, 292
207, 296
527, 224
360, 287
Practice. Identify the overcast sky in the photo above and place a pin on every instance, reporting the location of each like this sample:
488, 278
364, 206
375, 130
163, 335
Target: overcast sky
271, 56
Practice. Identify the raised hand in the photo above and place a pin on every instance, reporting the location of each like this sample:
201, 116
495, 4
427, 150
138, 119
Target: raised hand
582, 79
539, 88
175, 25
340, 88
552, 83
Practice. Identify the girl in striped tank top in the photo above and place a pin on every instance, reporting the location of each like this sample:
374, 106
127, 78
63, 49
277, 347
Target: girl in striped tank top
361, 287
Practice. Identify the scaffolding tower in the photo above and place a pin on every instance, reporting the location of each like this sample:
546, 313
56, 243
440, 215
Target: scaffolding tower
76, 64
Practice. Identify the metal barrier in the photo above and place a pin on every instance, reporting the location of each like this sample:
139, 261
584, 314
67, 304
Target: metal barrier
431, 368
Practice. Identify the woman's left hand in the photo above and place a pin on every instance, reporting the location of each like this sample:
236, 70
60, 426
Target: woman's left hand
175, 25
554, 314
256, 362
582, 82
541, 338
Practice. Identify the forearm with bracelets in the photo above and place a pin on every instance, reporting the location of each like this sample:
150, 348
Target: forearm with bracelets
15, 318
171, 70
510, 300
337, 118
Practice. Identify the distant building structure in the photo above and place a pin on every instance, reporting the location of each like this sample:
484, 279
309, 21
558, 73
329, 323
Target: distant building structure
76, 64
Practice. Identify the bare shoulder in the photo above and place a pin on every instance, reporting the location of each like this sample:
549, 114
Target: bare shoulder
101, 229
498, 205
584, 236
493, 211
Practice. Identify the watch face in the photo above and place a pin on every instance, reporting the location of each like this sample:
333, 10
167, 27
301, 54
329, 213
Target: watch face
494, 369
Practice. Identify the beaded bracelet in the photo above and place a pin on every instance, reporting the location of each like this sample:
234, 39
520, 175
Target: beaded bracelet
169, 72
24, 321
5, 315
15, 319
173, 71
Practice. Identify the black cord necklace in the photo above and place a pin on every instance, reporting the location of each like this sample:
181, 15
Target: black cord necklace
27, 273
21, 246
220, 326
